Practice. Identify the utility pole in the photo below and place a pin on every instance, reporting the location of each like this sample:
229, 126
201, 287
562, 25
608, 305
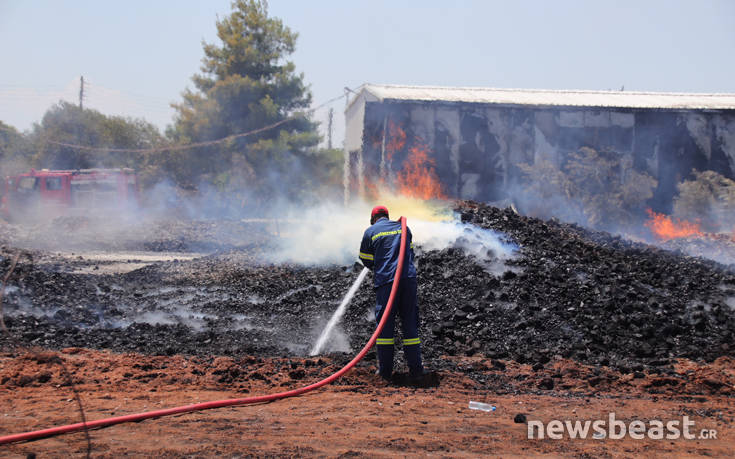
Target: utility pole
81, 92
329, 129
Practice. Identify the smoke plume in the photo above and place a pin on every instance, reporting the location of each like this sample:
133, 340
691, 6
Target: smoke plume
330, 233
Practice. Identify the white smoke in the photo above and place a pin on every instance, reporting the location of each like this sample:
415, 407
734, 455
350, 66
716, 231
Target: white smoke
481, 243
331, 234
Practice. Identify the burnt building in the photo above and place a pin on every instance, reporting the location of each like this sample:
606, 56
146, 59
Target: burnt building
477, 137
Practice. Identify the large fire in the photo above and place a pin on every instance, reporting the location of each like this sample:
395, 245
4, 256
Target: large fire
417, 177
665, 228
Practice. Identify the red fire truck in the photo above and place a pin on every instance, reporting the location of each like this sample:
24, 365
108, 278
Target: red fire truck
53, 193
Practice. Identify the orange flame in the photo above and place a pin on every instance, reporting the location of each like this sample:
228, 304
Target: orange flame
665, 228
418, 177
396, 140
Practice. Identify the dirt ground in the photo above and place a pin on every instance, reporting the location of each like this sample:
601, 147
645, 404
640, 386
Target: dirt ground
358, 416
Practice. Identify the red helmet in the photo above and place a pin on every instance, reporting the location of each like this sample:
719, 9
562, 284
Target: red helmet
377, 212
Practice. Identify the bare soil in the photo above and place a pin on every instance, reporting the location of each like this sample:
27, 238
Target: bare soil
359, 416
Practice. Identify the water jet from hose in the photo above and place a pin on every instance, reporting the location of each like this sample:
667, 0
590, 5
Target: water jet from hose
338, 313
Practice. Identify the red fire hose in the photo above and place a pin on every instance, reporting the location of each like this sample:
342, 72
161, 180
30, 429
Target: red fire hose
35, 435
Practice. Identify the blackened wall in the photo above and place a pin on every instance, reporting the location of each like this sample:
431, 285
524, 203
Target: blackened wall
477, 148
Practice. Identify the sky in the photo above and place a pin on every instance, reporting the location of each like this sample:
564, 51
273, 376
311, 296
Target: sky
138, 56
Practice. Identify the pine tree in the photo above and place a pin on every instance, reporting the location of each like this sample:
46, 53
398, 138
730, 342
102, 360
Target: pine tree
247, 83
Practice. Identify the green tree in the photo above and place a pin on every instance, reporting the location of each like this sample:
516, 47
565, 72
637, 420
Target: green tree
708, 199
246, 84
600, 188
550, 192
66, 123
15, 154
612, 193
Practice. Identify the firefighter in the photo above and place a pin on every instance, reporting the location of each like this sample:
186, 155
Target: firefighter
379, 252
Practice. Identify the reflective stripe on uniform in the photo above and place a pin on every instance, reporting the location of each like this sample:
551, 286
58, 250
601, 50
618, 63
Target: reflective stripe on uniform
386, 233
386, 341
366, 256
411, 341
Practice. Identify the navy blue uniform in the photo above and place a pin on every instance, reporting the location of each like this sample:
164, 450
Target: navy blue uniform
379, 251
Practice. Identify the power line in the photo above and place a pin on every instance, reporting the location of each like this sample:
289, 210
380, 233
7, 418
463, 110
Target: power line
198, 144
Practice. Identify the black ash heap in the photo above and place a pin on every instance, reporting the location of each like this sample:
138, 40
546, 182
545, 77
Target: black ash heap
569, 292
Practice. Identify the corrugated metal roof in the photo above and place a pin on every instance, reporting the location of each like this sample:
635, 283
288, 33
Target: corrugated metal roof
546, 97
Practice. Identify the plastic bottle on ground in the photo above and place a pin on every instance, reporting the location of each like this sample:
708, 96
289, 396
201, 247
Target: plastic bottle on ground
481, 406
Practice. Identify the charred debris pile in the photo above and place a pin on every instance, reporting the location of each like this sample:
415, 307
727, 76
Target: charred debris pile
718, 247
575, 293
571, 292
